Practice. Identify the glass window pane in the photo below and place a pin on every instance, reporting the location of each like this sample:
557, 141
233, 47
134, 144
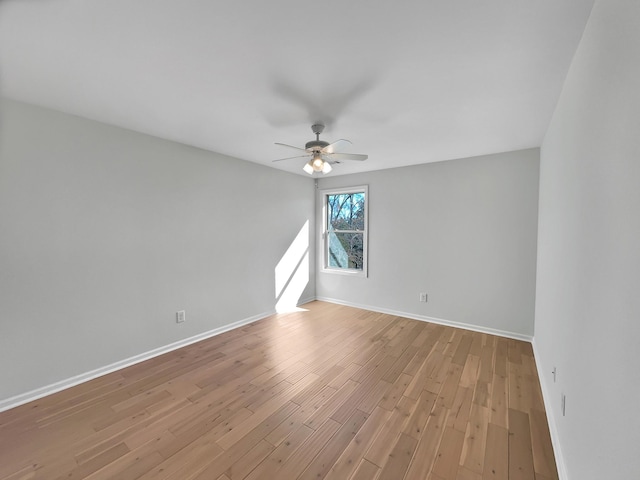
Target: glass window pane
346, 250
346, 211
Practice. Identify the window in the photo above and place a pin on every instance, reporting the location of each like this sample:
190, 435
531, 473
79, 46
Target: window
345, 230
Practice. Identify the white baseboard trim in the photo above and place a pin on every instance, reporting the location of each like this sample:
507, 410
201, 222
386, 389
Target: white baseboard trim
302, 301
553, 429
32, 395
424, 318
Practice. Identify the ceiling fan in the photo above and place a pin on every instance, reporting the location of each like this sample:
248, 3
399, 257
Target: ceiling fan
322, 154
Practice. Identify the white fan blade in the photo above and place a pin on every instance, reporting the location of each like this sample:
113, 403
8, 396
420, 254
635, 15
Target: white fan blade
348, 156
291, 146
336, 146
290, 158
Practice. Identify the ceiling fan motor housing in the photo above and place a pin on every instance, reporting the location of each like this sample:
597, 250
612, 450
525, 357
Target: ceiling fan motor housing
314, 145
317, 144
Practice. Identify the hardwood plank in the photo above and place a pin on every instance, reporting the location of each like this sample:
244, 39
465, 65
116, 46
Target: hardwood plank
399, 458
289, 425
325, 459
391, 398
499, 402
514, 352
478, 342
316, 386
414, 426
186, 461
423, 373
220, 464
128, 467
450, 385
542, 477
366, 471
96, 463
481, 394
400, 364
460, 356
325, 411
466, 474
473, 451
374, 396
433, 476
212, 431
500, 357
469, 376
387, 437
250, 460
450, 343
259, 416
359, 394
344, 376
347, 463
460, 409
303, 456
544, 461
448, 456
496, 455
520, 391
436, 379
486, 364
427, 348
269, 467
428, 444
520, 454
374, 364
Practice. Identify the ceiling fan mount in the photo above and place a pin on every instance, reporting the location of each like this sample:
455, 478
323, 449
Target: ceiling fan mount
316, 144
322, 154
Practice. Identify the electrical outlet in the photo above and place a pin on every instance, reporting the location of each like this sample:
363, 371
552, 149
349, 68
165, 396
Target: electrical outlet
181, 316
423, 297
563, 404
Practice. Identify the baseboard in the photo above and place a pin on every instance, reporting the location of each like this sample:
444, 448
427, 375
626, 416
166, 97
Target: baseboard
553, 429
306, 300
32, 395
439, 321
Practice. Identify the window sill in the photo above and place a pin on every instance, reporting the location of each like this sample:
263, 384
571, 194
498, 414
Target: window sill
344, 271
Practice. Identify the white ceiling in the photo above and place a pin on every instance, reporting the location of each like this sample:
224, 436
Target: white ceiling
409, 81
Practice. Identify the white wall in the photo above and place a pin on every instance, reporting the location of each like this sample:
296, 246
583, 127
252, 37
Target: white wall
588, 303
463, 231
106, 233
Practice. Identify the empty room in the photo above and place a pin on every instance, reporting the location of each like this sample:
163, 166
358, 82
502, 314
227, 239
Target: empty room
319, 240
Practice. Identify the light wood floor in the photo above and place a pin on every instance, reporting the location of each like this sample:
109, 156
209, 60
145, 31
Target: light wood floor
332, 392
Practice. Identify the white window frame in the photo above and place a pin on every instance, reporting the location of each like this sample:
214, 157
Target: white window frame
324, 194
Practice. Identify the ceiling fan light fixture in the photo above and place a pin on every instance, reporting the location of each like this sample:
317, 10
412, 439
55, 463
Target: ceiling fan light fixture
317, 163
308, 168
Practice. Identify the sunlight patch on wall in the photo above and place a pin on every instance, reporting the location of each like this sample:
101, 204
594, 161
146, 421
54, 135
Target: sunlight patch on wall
292, 272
